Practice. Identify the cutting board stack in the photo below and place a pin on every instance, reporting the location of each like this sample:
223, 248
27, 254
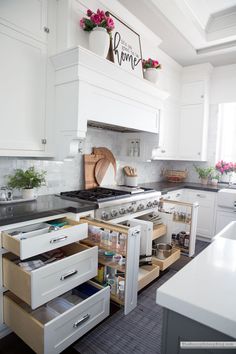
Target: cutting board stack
99, 168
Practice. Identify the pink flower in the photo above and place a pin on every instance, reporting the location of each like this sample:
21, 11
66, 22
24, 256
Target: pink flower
95, 18
89, 13
82, 24
101, 14
110, 23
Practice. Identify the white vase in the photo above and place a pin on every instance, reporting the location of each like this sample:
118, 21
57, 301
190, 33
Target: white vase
151, 74
99, 41
28, 193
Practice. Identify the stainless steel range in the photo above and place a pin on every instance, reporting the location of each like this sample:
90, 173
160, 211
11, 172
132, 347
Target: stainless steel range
118, 202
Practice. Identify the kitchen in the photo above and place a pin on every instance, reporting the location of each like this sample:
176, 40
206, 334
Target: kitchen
59, 103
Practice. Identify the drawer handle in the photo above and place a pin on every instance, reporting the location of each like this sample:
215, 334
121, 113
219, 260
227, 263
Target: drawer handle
82, 320
58, 239
69, 274
201, 196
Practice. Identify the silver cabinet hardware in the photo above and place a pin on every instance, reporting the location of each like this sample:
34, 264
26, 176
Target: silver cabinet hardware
82, 320
163, 151
69, 274
44, 141
58, 239
135, 233
201, 195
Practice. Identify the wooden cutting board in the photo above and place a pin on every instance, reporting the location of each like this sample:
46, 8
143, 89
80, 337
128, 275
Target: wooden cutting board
89, 170
107, 154
104, 173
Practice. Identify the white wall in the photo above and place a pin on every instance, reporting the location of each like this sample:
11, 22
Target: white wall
223, 84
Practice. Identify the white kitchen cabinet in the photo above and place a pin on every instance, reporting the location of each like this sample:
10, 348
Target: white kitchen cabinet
194, 113
206, 212
23, 72
191, 136
168, 135
193, 93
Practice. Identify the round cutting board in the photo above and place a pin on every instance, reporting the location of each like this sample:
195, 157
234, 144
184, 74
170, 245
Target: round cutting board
104, 172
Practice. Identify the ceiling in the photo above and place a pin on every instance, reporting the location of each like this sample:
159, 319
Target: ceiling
192, 31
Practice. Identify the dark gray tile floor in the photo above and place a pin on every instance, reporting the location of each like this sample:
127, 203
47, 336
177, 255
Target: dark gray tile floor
138, 332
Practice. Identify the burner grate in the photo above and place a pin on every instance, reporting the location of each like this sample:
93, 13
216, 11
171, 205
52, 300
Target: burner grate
96, 194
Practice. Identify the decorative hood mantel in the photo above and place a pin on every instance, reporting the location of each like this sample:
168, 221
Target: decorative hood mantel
92, 90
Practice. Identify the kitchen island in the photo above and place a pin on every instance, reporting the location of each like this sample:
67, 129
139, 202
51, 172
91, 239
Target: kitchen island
199, 301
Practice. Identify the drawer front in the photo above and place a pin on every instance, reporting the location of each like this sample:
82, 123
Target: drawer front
27, 246
57, 334
202, 197
45, 283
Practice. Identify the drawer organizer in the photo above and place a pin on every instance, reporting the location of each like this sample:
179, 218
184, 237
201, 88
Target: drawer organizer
56, 325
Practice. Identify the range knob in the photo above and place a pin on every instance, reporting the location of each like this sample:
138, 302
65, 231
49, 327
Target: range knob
155, 202
149, 204
140, 207
122, 211
130, 209
114, 213
105, 215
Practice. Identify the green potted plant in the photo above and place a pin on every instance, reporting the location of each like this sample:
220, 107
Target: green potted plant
215, 177
204, 173
27, 181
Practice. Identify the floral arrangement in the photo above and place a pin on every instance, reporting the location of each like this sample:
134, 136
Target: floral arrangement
151, 63
98, 19
225, 167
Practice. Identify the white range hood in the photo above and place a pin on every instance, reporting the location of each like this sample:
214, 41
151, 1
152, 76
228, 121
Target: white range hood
91, 90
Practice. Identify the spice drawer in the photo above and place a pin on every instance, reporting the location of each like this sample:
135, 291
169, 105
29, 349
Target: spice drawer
27, 244
43, 284
48, 331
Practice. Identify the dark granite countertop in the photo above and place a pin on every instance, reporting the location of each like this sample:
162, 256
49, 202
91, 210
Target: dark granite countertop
43, 206
166, 187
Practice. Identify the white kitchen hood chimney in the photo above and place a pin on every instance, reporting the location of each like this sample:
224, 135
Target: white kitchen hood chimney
91, 90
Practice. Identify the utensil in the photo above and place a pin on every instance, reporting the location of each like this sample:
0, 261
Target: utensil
163, 250
6, 194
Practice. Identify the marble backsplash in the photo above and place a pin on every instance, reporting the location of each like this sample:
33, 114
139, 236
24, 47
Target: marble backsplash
69, 175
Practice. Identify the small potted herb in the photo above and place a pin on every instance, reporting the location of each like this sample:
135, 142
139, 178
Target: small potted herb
204, 173
215, 177
27, 181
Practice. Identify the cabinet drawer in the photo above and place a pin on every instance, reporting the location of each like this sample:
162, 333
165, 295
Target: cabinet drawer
50, 331
43, 284
202, 198
28, 244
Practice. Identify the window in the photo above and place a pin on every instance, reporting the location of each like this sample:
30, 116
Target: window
226, 145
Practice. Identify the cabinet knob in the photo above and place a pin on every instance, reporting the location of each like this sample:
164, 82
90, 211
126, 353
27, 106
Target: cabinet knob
202, 96
199, 153
163, 151
46, 29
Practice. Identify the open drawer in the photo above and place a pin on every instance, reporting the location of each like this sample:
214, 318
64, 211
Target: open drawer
53, 327
165, 263
34, 239
147, 274
40, 285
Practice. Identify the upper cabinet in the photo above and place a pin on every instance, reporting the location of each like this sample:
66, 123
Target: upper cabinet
23, 72
194, 113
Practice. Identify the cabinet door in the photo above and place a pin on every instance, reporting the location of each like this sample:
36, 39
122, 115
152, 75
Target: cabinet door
191, 132
169, 126
22, 92
193, 93
206, 211
223, 218
26, 16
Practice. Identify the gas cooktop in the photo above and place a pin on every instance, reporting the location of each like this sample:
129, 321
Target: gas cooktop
100, 194
96, 194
